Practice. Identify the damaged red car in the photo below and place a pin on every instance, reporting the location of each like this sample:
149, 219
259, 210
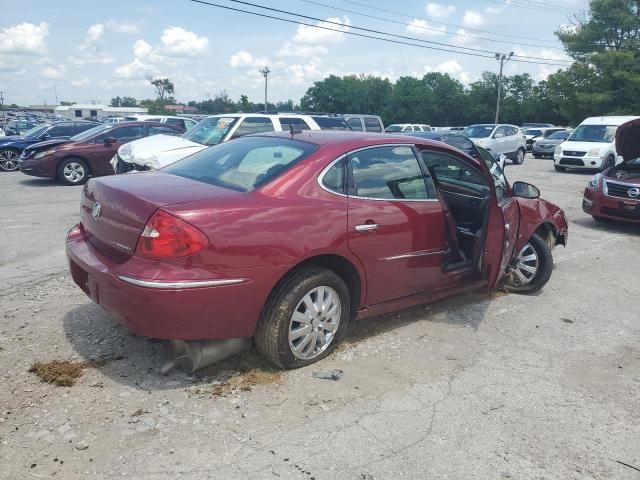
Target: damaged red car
287, 237
614, 194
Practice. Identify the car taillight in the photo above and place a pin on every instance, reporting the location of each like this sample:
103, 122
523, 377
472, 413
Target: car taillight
166, 236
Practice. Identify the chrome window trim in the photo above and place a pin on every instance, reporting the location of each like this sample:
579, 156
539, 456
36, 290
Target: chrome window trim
420, 253
181, 284
344, 155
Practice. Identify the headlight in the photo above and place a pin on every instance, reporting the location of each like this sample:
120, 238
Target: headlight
594, 182
594, 152
124, 151
558, 150
44, 154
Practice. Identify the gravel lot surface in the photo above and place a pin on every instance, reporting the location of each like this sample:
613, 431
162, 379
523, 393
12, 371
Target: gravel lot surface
521, 387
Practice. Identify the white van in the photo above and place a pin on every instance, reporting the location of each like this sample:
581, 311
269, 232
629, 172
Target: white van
591, 145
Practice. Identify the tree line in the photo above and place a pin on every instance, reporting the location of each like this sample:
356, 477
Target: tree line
604, 79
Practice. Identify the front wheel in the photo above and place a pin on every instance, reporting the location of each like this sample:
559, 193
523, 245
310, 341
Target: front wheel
608, 163
559, 169
73, 171
305, 318
9, 160
519, 158
530, 269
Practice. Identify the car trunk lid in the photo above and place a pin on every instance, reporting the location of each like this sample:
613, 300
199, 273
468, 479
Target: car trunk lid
114, 210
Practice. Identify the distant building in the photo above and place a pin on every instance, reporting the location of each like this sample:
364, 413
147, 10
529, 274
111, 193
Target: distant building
79, 111
181, 109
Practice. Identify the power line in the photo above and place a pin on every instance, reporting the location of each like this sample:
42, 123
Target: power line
536, 6
426, 28
340, 25
353, 2
388, 40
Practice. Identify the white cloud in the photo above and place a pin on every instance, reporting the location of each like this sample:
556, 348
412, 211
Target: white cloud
53, 73
82, 82
290, 49
95, 32
241, 59
437, 10
329, 33
472, 19
142, 49
122, 27
24, 38
178, 42
134, 70
464, 38
304, 74
421, 27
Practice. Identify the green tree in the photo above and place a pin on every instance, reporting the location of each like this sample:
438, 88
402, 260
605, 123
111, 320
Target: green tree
163, 87
123, 102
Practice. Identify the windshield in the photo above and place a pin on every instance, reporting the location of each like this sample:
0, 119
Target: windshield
533, 132
558, 136
210, 131
35, 131
244, 164
90, 133
393, 128
478, 131
594, 133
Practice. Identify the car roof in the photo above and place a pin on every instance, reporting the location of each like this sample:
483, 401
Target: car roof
610, 120
354, 139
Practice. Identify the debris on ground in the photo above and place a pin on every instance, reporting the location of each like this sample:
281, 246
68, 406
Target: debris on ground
330, 375
566, 320
62, 374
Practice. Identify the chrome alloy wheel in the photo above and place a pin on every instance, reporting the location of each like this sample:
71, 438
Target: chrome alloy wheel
74, 172
314, 323
524, 266
8, 160
519, 157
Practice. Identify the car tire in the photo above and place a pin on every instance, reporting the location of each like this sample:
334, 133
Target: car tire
609, 162
537, 157
292, 309
542, 263
559, 169
9, 159
519, 158
73, 171
600, 219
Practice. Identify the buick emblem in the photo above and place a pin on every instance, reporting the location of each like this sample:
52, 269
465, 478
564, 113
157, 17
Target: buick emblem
96, 211
633, 192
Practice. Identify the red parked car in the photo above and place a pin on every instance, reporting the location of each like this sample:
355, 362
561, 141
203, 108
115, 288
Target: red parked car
287, 237
615, 193
73, 160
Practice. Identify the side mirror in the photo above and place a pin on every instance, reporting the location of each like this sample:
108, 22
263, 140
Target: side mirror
109, 140
525, 190
498, 135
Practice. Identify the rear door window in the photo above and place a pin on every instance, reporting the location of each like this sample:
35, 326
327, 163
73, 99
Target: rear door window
63, 130
178, 122
331, 123
389, 173
287, 123
355, 123
251, 125
372, 124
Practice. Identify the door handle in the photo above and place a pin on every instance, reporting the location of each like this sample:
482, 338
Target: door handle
367, 227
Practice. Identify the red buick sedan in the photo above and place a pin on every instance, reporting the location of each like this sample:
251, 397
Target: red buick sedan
615, 193
287, 237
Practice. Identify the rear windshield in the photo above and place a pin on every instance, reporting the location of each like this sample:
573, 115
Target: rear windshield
211, 130
243, 164
332, 123
533, 131
394, 128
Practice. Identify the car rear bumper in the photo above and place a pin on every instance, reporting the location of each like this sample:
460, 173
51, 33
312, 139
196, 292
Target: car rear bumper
600, 205
191, 307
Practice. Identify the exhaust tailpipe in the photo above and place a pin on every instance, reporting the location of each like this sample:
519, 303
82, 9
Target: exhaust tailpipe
191, 356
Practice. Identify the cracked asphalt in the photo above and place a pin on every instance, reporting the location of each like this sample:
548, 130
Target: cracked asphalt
521, 387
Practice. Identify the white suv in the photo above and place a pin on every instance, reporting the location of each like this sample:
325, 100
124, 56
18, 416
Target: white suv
161, 150
181, 122
408, 127
499, 139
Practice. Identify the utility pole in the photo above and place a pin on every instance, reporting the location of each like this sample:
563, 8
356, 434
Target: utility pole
265, 73
502, 58
55, 89
2, 106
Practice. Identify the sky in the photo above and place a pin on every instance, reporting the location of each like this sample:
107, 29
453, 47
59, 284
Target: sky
93, 50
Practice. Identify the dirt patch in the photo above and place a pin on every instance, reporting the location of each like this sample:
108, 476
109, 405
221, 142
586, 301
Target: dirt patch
62, 374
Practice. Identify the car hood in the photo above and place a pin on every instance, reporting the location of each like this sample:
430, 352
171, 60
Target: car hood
583, 146
158, 151
547, 141
628, 140
11, 139
47, 144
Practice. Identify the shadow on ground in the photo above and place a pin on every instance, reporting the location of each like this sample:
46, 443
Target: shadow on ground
609, 226
135, 361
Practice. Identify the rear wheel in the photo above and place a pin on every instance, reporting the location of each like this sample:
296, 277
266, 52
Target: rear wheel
536, 156
9, 160
305, 318
559, 169
519, 158
608, 163
73, 171
531, 267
